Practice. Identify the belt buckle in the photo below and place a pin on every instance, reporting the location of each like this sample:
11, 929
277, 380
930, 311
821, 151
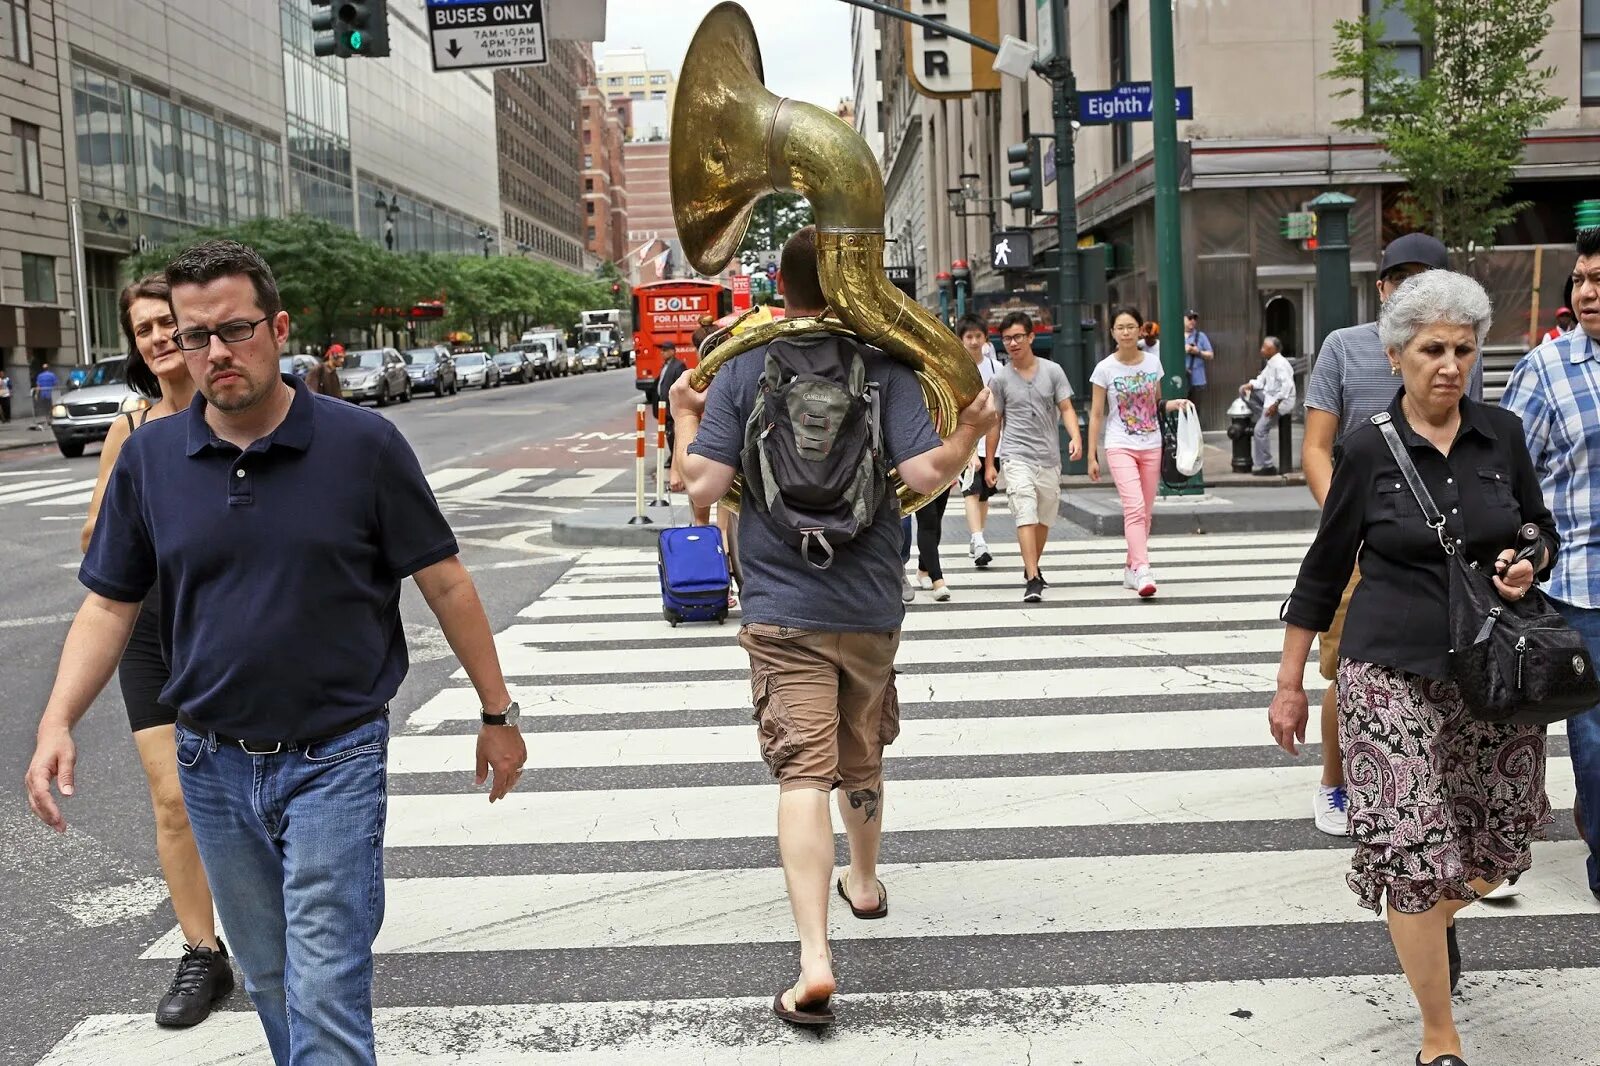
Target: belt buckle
277, 747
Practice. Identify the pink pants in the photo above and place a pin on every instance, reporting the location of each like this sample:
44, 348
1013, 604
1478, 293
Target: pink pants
1136, 474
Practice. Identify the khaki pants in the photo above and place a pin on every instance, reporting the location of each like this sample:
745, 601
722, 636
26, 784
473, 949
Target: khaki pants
1328, 643
825, 704
1034, 492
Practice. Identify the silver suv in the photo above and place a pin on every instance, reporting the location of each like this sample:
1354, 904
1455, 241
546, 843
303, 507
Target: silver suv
84, 415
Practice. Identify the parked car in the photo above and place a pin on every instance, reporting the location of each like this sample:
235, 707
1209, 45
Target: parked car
432, 370
514, 366
590, 357
377, 374
477, 368
298, 365
84, 415
567, 362
614, 357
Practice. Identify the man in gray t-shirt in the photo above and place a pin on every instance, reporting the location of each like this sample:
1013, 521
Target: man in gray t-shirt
1031, 395
1350, 382
821, 642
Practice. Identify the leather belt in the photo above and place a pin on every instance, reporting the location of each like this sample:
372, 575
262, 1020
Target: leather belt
275, 747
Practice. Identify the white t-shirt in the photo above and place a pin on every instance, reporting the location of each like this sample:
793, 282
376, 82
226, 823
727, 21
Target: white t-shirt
987, 368
1133, 401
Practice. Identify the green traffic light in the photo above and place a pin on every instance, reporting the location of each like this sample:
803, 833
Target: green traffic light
356, 40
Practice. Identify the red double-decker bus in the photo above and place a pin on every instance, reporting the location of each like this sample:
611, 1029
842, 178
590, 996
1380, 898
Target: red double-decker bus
671, 311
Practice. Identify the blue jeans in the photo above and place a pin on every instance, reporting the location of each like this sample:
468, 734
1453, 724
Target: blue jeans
905, 540
1583, 738
293, 849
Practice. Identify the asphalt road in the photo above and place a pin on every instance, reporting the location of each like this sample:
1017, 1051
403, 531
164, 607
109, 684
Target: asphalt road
79, 908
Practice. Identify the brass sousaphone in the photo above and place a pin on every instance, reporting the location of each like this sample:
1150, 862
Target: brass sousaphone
733, 142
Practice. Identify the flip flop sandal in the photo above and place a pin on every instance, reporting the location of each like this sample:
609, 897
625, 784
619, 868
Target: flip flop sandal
815, 1013
882, 910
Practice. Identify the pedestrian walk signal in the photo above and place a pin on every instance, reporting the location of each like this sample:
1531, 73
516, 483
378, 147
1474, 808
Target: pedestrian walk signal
347, 28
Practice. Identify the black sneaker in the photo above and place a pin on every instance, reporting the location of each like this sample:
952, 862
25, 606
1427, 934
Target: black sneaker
1266, 471
982, 559
1034, 591
204, 978
1043, 582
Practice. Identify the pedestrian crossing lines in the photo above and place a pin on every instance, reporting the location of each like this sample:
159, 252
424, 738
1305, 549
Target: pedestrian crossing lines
52, 489
1095, 854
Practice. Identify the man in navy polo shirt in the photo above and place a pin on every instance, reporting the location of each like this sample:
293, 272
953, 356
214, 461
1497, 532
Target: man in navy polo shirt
264, 514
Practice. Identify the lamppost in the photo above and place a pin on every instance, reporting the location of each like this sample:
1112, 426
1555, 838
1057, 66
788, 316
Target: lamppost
388, 210
487, 237
961, 277
943, 280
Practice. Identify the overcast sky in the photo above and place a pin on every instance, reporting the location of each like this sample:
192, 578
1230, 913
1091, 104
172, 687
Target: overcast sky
805, 44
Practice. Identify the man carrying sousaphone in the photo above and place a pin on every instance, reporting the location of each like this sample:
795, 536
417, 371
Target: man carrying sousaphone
822, 613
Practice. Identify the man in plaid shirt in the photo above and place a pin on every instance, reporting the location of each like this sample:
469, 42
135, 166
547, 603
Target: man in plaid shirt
1556, 391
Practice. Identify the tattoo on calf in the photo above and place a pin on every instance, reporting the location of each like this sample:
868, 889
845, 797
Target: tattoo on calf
865, 797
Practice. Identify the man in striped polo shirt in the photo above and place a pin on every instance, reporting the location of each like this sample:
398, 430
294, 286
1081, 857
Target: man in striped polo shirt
1555, 389
1350, 382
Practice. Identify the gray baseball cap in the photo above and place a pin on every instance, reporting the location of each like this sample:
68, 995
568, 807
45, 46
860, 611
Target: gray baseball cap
1421, 248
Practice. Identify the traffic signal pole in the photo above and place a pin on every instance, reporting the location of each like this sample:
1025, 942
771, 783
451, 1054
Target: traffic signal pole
1169, 234
1069, 305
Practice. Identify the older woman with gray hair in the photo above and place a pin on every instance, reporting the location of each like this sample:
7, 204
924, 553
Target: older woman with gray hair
1442, 806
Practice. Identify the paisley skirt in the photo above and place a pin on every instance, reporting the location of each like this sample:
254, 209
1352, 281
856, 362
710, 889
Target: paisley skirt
1436, 798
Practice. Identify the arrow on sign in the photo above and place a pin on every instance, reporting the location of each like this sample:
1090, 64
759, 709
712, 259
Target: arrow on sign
454, 49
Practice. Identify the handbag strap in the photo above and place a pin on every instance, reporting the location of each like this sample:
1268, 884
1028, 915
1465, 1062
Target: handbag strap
1408, 470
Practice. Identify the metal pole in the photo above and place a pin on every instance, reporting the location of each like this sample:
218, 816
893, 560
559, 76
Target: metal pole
1169, 224
639, 517
661, 454
1069, 307
79, 278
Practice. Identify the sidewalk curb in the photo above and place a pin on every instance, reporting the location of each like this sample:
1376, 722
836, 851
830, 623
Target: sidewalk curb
607, 527
1100, 513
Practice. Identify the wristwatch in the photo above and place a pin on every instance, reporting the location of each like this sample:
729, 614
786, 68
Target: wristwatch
509, 716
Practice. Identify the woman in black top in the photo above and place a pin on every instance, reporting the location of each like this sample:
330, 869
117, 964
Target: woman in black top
157, 372
1442, 807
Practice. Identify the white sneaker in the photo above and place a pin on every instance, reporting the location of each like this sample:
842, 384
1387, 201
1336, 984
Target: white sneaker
1128, 580
1504, 890
1329, 809
978, 549
1144, 582
972, 546
924, 582
907, 593
941, 592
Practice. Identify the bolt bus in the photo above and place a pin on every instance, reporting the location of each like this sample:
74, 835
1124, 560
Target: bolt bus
671, 311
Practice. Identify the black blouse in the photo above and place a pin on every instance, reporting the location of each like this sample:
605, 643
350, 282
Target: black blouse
1399, 616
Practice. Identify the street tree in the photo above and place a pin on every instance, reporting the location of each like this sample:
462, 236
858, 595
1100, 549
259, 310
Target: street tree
1455, 132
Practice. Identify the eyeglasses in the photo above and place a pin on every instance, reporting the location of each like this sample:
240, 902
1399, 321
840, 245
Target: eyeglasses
192, 340
1126, 327
1013, 338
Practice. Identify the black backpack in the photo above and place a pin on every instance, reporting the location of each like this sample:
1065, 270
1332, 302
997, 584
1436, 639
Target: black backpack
812, 458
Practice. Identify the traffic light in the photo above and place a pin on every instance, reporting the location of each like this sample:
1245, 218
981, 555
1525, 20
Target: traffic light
347, 28
616, 288
1027, 181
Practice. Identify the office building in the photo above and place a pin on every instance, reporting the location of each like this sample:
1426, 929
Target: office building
605, 193
537, 126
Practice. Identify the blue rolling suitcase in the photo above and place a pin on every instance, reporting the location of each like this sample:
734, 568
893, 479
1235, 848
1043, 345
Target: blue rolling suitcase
694, 575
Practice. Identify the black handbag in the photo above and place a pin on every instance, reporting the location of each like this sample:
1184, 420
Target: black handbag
1514, 661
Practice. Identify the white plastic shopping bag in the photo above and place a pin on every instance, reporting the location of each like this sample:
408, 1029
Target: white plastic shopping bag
1191, 453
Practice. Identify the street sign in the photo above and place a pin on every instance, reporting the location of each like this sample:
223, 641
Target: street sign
1131, 101
1046, 37
903, 278
1011, 249
467, 34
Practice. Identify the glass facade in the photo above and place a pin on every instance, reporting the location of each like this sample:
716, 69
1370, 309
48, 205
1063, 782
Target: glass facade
140, 151
1589, 55
419, 225
317, 115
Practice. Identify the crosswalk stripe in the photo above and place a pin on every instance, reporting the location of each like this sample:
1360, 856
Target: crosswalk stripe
1281, 1020
1051, 895
582, 485
77, 499
947, 615
968, 737
1020, 616
522, 660
973, 686
42, 490
721, 812
441, 479
494, 485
